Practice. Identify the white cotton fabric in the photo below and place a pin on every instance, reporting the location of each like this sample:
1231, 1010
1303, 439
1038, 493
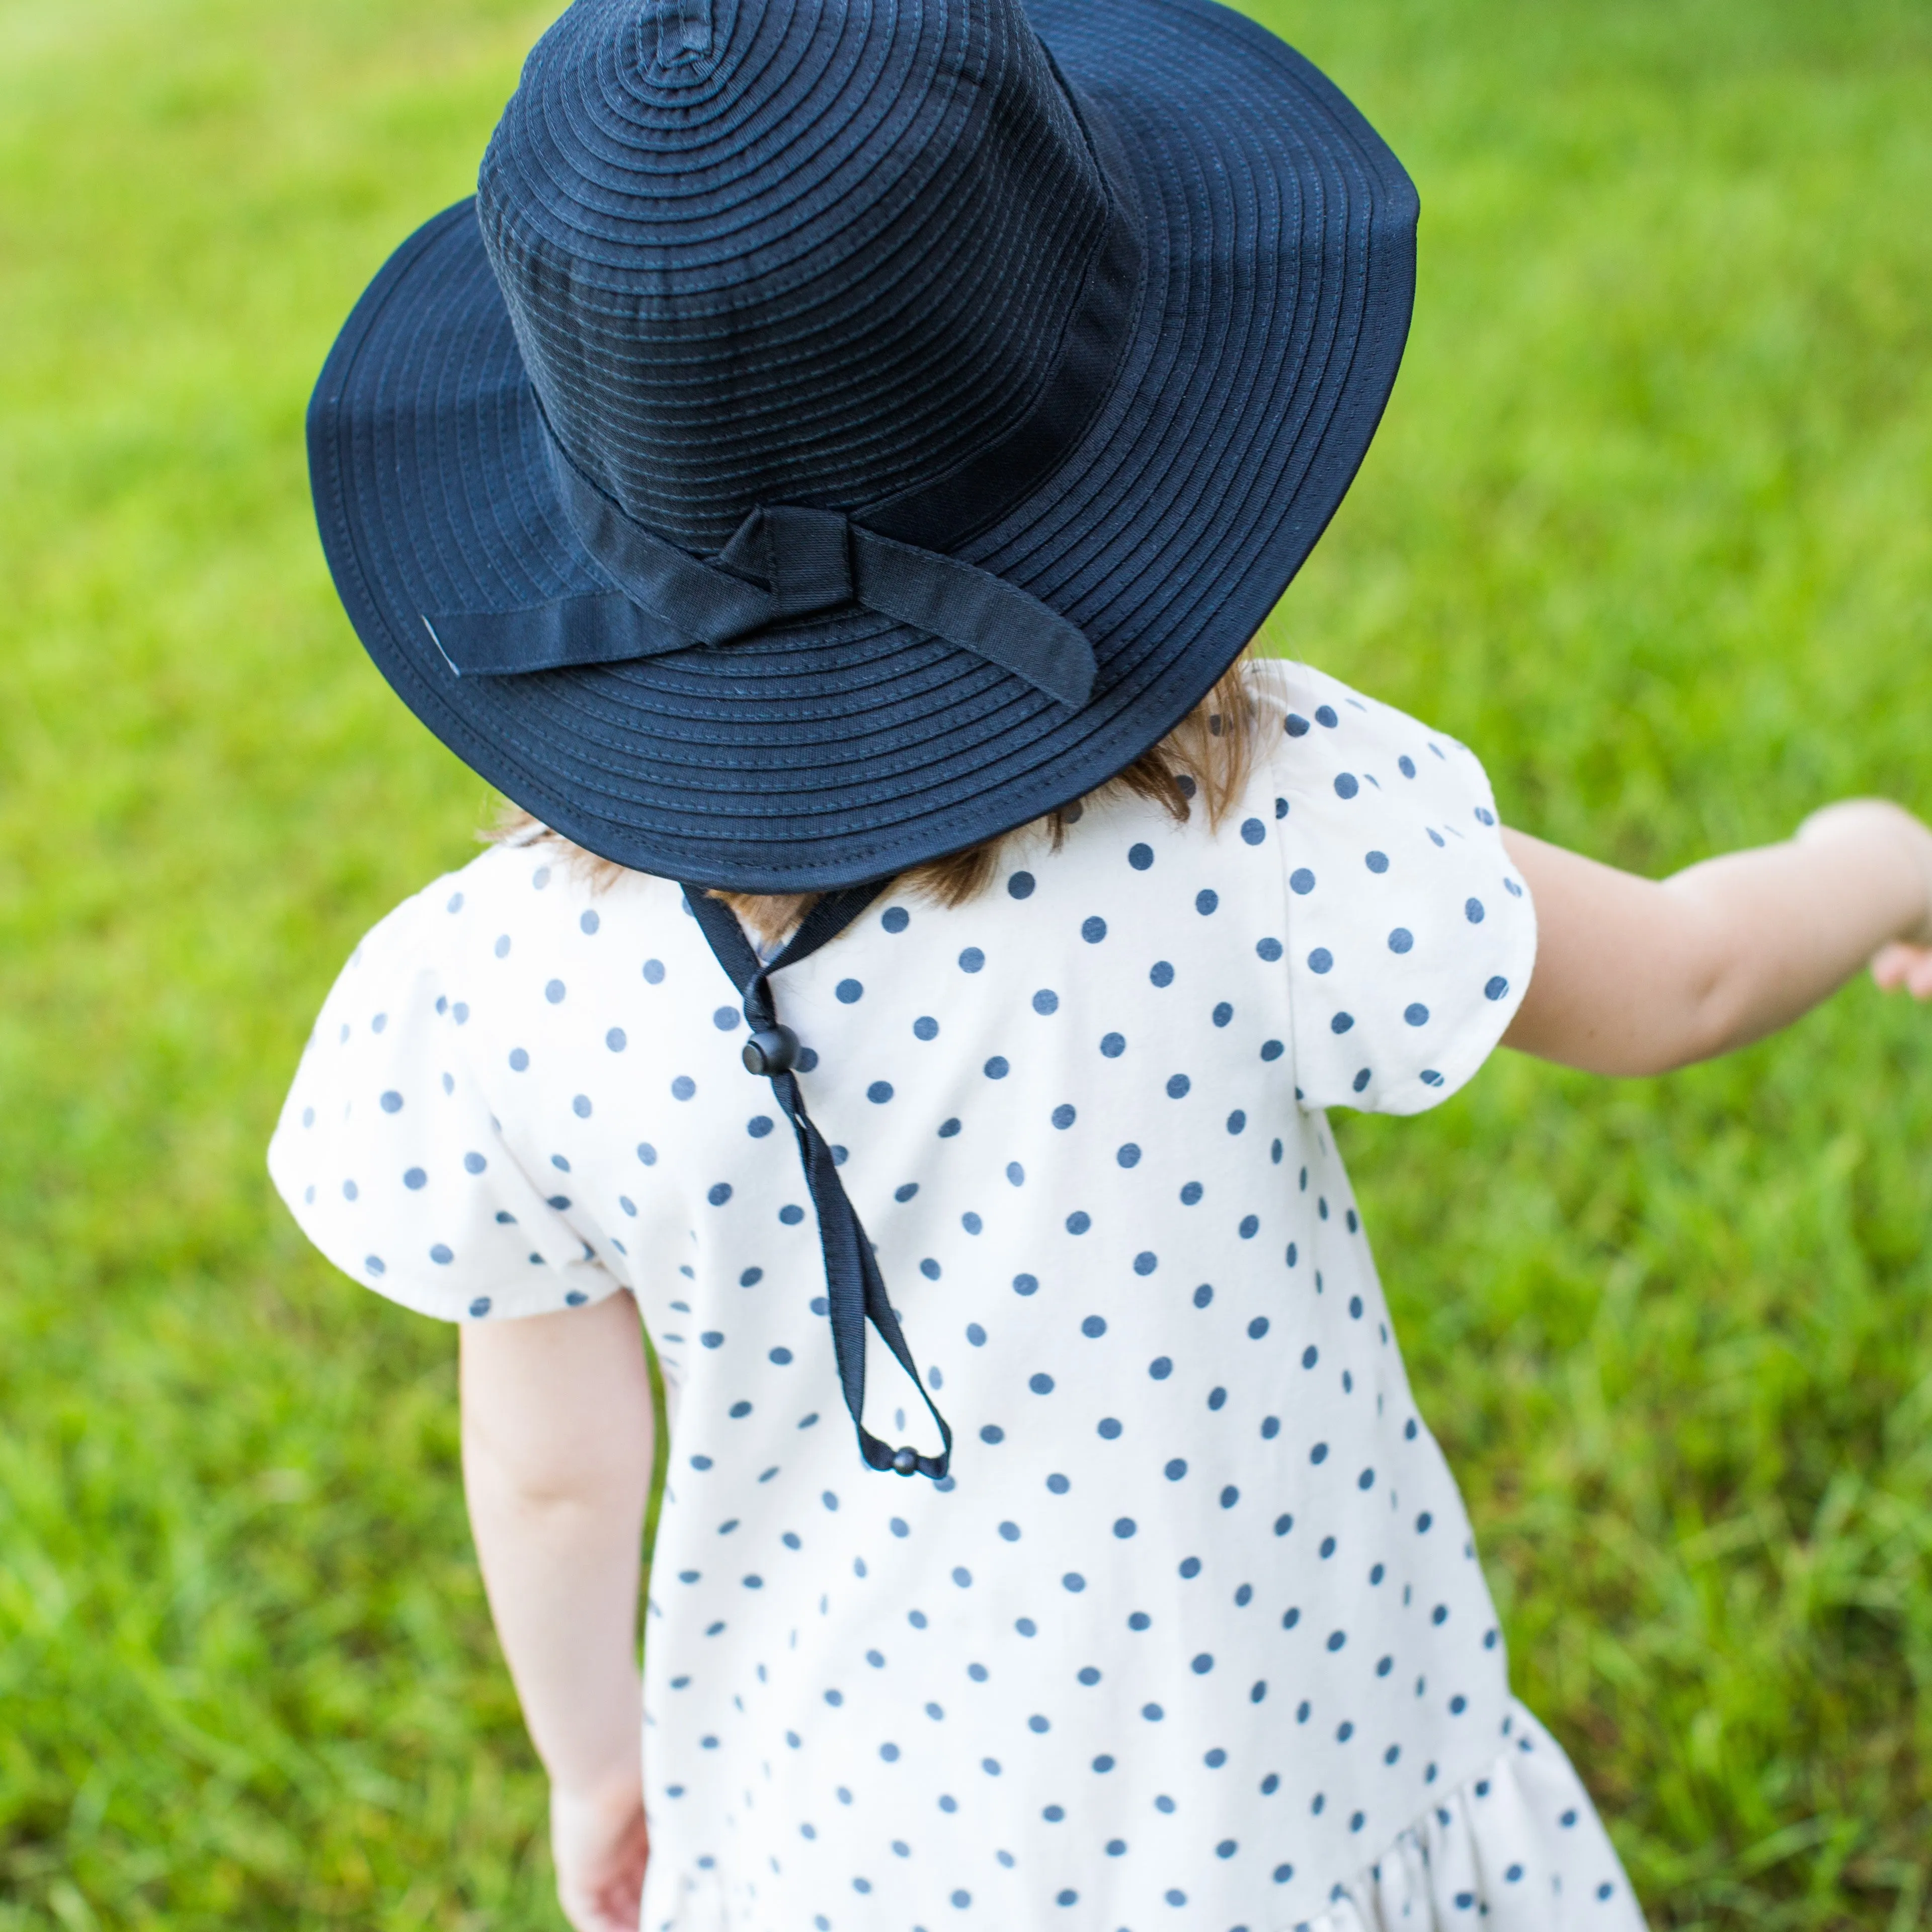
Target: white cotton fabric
1507, 1848
1194, 1636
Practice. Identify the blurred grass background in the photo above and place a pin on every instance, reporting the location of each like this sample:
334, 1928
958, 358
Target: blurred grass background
1647, 525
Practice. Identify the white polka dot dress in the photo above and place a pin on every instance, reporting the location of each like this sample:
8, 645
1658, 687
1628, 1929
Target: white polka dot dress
1194, 1636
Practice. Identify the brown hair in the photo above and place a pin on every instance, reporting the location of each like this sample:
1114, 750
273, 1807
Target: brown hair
1206, 759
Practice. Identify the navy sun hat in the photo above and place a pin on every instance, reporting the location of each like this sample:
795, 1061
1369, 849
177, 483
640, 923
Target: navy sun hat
839, 431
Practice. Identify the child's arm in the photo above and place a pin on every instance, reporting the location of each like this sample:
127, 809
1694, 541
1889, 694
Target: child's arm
557, 1447
1633, 977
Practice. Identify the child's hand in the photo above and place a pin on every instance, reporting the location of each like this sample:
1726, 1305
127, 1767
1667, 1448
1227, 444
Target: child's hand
1907, 966
600, 1847
1907, 962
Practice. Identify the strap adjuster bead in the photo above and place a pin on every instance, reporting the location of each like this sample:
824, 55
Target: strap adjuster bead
771, 1049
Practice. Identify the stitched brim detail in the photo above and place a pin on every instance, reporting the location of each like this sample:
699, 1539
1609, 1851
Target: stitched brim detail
1278, 234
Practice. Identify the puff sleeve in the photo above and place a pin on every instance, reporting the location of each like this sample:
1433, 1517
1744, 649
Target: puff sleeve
388, 1154
1411, 938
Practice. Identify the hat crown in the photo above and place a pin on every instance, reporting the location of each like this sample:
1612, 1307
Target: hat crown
809, 252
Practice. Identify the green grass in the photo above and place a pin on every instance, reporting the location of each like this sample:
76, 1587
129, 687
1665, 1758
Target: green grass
1647, 524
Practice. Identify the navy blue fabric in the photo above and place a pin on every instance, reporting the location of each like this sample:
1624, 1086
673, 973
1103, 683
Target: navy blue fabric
783, 563
1112, 326
855, 1290
684, 30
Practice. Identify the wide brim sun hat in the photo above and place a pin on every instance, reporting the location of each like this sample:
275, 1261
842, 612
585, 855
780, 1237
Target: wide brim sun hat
839, 433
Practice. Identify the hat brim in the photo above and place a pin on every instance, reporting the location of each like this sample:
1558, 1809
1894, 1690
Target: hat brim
1278, 237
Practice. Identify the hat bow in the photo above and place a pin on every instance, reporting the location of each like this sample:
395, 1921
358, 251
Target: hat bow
783, 563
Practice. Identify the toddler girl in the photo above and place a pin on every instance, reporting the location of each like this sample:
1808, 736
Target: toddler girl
825, 478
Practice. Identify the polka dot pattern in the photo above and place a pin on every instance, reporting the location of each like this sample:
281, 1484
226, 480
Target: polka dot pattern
1514, 1849
1397, 939
1144, 1641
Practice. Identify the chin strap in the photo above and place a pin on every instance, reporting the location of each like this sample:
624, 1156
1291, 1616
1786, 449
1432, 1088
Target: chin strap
855, 1290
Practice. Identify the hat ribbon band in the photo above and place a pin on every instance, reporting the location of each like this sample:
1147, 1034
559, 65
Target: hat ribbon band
783, 563
855, 1290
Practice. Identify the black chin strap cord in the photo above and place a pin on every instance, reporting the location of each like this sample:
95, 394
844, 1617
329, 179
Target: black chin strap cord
855, 1290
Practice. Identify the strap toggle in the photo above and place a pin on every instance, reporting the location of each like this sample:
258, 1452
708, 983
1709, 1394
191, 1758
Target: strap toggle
772, 1050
